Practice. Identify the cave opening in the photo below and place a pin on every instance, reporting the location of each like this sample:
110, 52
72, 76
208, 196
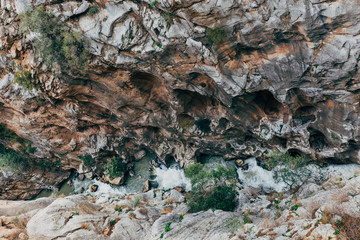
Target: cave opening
317, 140
295, 152
279, 141
304, 115
267, 102
194, 102
143, 81
223, 123
203, 125
202, 158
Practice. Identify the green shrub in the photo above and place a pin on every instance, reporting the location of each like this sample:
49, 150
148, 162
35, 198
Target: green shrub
48, 163
216, 35
88, 161
185, 121
30, 149
12, 160
169, 19
153, 4
135, 202
57, 45
24, 78
93, 10
294, 171
167, 227
246, 218
295, 207
115, 168
7, 134
278, 158
233, 224
211, 188
118, 208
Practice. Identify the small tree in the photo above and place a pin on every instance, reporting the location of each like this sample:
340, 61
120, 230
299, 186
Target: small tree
55, 44
211, 188
294, 171
216, 35
115, 168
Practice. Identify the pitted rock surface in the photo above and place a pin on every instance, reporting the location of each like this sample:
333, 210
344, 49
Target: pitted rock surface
285, 77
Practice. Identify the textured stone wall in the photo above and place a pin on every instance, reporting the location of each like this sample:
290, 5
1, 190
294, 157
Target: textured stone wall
285, 77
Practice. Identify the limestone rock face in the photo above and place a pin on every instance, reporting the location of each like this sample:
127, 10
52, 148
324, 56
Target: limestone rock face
285, 76
258, 216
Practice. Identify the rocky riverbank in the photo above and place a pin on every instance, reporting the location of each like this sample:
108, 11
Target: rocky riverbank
312, 212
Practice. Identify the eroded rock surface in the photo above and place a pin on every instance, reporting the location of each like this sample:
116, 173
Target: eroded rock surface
285, 77
309, 213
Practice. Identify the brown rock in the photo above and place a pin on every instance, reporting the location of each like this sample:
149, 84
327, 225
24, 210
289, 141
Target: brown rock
94, 188
81, 177
239, 162
179, 189
146, 186
118, 181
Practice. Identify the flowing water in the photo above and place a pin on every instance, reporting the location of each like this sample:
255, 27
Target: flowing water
255, 176
174, 176
166, 178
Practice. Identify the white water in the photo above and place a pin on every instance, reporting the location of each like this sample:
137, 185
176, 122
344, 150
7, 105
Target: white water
256, 176
174, 176
167, 178
171, 177
103, 188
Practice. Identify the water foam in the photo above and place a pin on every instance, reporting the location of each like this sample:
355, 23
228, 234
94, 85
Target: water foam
172, 177
104, 189
256, 176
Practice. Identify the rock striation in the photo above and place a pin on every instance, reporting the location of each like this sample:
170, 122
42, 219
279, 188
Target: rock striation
284, 75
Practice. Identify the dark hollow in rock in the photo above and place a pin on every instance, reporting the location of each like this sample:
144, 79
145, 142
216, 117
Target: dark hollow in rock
304, 114
266, 101
202, 157
317, 140
193, 102
169, 160
143, 81
295, 152
203, 125
185, 121
233, 133
279, 141
223, 123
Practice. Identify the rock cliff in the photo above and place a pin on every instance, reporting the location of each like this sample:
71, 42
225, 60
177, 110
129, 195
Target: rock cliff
186, 79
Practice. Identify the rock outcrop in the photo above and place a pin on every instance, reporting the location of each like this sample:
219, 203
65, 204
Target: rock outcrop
282, 75
312, 212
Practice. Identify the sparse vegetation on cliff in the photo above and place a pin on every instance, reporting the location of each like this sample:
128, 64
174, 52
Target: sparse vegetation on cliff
216, 35
114, 168
93, 10
6, 134
11, 159
24, 78
55, 43
294, 171
88, 161
211, 188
